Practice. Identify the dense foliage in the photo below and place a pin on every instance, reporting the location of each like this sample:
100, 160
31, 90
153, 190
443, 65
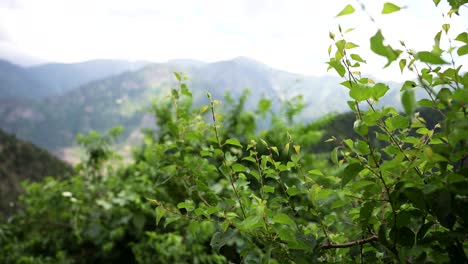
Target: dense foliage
205, 187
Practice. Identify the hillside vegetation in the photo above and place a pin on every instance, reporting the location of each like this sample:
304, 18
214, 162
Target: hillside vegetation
23, 161
219, 182
52, 123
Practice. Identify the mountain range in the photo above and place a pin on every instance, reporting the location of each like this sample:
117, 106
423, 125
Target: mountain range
37, 82
50, 104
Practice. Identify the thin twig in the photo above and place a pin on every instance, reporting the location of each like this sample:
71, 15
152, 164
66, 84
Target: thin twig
351, 243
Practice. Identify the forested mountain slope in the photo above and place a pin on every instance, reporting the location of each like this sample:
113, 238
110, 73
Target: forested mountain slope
54, 122
45, 80
20, 160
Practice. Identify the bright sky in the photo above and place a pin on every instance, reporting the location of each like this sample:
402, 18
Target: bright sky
291, 35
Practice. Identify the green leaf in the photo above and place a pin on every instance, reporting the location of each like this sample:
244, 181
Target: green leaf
437, 38
408, 100
350, 172
349, 9
397, 122
402, 64
251, 159
170, 220
268, 189
379, 48
340, 69
283, 219
360, 92
462, 37
178, 77
203, 109
360, 127
429, 57
356, 57
188, 205
350, 45
379, 90
436, 2
366, 212
239, 168
446, 28
423, 230
315, 172
463, 50
160, 212
185, 91
252, 222
359, 185
334, 156
293, 191
285, 233
264, 105
233, 142
390, 8
275, 150
220, 239
425, 103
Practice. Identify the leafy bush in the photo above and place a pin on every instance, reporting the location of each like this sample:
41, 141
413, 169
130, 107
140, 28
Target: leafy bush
204, 188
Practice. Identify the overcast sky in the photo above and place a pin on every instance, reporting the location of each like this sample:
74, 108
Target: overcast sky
291, 35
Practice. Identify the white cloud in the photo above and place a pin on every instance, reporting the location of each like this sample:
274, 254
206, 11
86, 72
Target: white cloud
290, 35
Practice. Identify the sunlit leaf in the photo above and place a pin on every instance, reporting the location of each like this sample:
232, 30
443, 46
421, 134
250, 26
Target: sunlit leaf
463, 50
350, 45
275, 150
356, 57
233, 142
160, 212
360, 128
268, 189
188, 205
390, 8
340, 69
379, 90
408, 101
462, 37
429, 57
446, 28
264, 105
360, 92
347, 10
402, 64
177, 75
378, 47
203, 109
334, 155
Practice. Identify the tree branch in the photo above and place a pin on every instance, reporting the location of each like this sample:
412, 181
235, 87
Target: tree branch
352, 243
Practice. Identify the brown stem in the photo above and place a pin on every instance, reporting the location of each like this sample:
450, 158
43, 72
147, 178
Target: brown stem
231, 178
351, 243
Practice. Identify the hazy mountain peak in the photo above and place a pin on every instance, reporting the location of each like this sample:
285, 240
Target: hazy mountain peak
186, 62
248, 61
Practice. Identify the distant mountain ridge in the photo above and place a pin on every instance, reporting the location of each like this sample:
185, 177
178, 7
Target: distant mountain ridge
62, 77
53, 122
37, 82
17, 83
